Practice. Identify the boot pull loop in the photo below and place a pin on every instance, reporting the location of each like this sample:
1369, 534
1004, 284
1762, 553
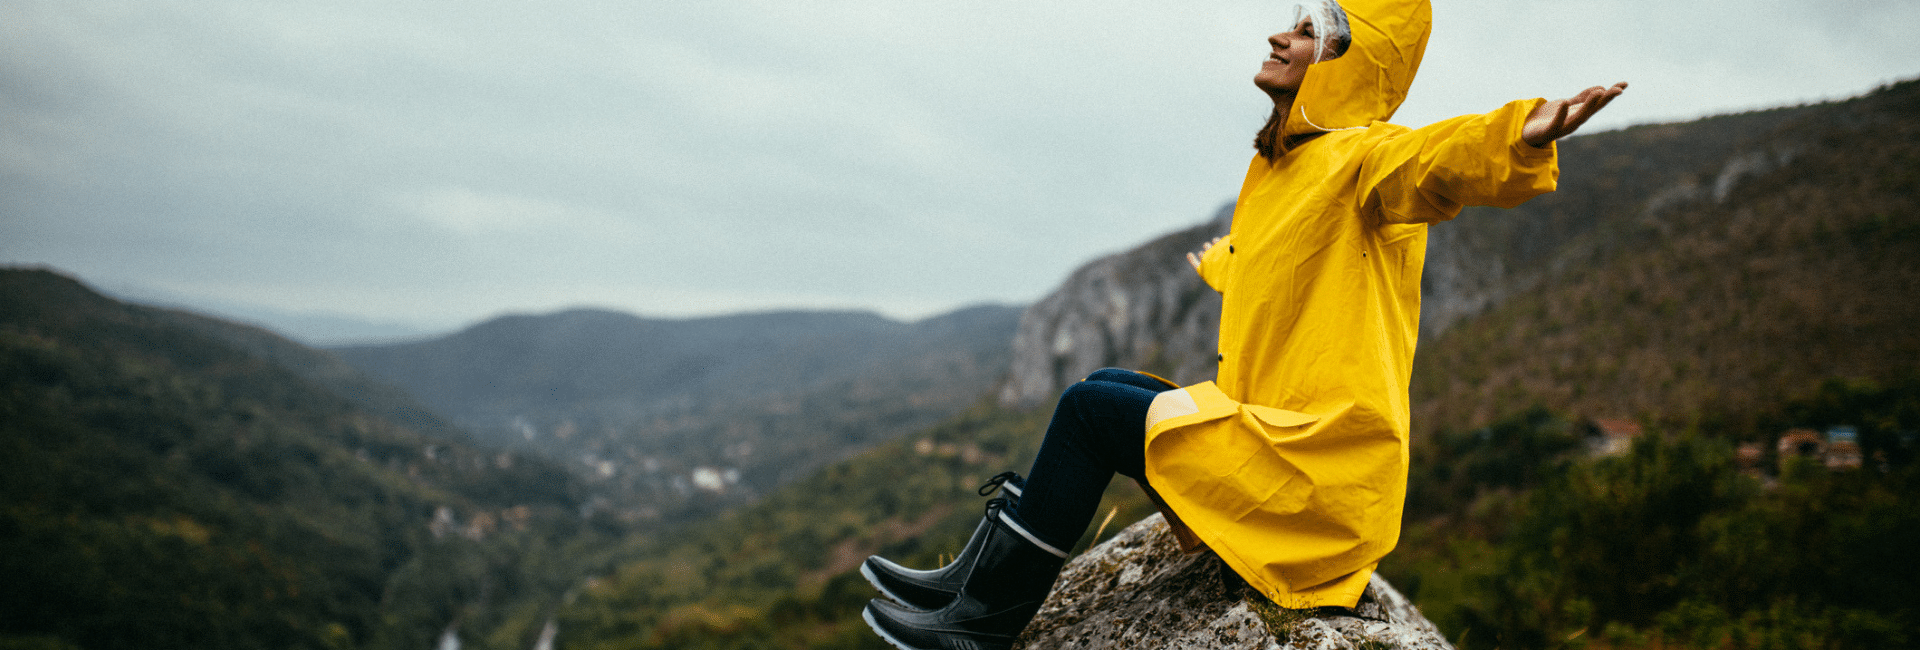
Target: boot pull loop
999, 481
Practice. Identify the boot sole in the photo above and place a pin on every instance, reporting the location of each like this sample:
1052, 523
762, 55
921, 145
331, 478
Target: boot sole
867, 572
866, 614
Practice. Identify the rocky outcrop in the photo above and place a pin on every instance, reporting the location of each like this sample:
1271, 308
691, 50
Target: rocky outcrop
1138, 590
1143, 309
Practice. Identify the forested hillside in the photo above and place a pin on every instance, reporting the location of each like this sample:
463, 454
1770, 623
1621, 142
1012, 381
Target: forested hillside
160, 488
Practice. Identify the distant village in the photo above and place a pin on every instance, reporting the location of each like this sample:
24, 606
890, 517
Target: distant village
1838, 448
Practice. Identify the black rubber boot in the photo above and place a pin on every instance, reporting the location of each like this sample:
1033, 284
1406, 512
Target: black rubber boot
934, 588
1009, 579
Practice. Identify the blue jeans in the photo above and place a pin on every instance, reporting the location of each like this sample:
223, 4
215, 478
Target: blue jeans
1098, 428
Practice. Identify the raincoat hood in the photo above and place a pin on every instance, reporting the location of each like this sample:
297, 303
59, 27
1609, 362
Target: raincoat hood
1368, 83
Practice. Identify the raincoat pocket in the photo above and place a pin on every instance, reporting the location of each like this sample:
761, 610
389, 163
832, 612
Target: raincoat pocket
1267, 479
1259, 427
1275, 418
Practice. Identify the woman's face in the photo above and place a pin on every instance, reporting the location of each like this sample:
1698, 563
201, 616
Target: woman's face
1287, 65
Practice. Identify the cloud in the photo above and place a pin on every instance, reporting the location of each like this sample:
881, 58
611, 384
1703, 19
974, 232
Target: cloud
445, 161
466, 212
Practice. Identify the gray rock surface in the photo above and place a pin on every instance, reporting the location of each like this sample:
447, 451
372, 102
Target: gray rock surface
1143, 309
1138, 590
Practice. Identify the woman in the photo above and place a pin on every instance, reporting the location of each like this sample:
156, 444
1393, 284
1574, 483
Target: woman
1292, 464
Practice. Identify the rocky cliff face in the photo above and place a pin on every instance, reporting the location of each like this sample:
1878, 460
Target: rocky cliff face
1143, 309
1138, 591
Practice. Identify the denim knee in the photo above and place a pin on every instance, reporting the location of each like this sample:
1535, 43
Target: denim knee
1130, 378
1115, 375
1104, 421
1086, 392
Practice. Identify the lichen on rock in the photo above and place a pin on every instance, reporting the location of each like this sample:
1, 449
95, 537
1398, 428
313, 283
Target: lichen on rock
1138, 590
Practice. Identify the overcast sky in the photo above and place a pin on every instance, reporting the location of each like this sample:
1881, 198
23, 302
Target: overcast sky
436, 162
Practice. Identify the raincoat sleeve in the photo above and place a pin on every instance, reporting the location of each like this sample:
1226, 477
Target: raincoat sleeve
1428, 174
1214, 262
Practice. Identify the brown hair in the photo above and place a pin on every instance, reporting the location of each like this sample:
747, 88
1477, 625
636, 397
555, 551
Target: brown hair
1268, 141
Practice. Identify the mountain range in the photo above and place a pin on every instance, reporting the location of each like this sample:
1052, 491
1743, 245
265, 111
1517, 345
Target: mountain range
596, 479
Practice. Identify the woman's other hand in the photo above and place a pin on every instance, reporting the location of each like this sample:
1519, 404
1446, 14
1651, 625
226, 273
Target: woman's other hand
1194, 258
1561, 117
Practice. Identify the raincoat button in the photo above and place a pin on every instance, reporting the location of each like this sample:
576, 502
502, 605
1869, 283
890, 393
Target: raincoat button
1229, 249
1219, 357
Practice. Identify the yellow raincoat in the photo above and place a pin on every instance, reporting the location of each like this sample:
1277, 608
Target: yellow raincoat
1292, 465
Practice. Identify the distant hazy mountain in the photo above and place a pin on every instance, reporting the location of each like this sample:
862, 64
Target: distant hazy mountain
675, 416
308, 327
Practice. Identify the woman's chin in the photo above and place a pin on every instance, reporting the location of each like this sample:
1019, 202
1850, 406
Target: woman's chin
1275, 88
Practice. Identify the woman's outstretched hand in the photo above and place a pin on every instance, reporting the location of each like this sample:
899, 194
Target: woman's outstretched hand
1194, 258
1561, 117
